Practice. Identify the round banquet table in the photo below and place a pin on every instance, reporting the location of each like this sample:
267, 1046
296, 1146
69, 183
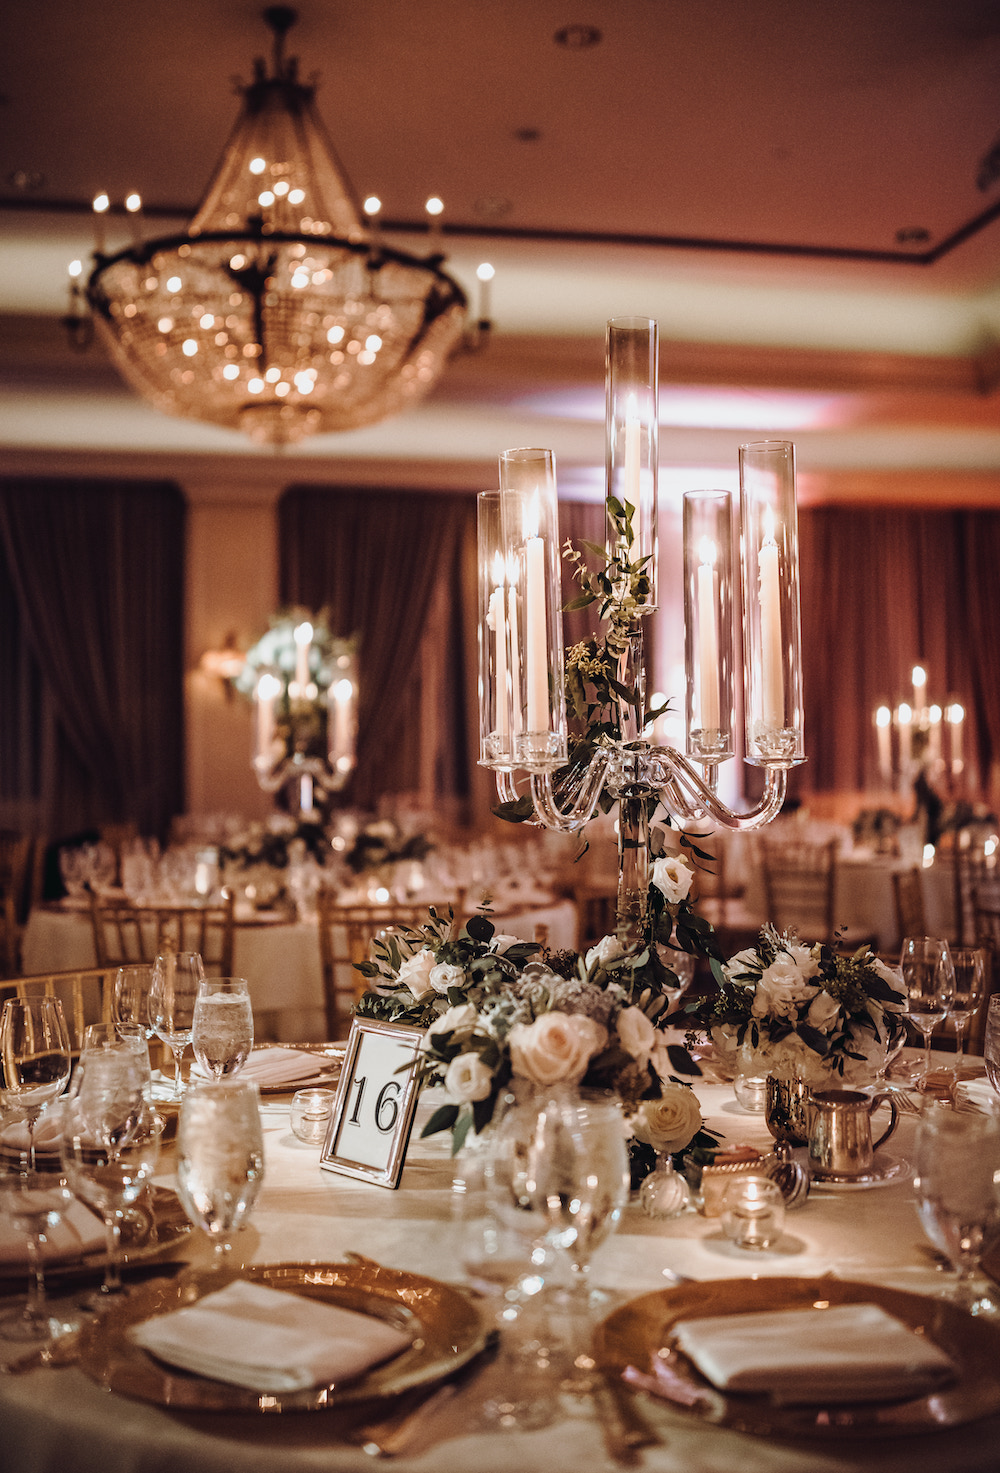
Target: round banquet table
59, 1421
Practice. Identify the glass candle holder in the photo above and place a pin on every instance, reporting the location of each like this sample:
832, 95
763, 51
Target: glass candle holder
772, 637
631, 451
342, 717
309, 1114
495, 610
708, 624
753, 1212
530, 522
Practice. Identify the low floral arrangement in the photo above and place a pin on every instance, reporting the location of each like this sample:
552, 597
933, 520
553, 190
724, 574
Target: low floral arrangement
275, 843
380, 843
496, 1009
802, 1011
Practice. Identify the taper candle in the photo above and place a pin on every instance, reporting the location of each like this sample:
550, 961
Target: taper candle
536, 636
708, 637
772, 677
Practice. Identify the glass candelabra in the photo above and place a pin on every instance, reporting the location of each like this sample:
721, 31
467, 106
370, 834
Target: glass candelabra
522, 662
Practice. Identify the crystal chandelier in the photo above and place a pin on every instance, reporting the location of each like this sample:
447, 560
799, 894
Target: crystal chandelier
277, 313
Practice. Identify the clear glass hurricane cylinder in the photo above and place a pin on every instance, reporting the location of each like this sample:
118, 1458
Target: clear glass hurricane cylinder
530, 518
631, 448
496, 748
708, 624
771, 620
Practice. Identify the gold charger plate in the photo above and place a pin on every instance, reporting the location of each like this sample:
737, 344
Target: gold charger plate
150, 1231
446, 1329
640, 1331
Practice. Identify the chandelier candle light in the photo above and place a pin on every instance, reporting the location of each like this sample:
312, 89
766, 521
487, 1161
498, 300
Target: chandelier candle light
523, 718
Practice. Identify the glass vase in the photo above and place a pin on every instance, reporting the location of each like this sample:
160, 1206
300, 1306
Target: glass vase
664, 1193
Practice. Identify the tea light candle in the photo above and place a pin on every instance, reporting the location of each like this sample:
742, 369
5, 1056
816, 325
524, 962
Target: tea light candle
753, 1212
310, 1114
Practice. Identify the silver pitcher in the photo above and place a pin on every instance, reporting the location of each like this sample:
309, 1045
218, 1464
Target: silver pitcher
840, 1131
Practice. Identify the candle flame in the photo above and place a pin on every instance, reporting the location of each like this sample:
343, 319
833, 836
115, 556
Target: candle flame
706, 551
904, 714
769, 526
883, 716
531, 515
303, 633
268, 687
498, 568
919, 675
956, 714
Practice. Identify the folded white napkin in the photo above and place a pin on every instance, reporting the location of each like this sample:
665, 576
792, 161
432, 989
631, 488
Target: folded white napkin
284, 1066
77, 1232
850, 1352
265, 1339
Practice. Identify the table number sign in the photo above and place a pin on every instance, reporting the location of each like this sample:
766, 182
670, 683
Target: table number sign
375, 1104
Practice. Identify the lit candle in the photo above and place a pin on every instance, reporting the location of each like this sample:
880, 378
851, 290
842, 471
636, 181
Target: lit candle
340, 701
919, 690
708, 638
100, 206
515, 657
772, 672
498, 625
302, 635
904, 719
133, 204
883, 724
956, 717
934, 744
268, 689
632, 469
535, 633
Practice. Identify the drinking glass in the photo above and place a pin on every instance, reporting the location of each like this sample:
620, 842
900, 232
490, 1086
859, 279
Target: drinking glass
969, 966
130, 998
34, 1201
34, 1058
957, 1164
220, 1157
173, 992
222, 1033
929, 985
110, 1141
991, 1042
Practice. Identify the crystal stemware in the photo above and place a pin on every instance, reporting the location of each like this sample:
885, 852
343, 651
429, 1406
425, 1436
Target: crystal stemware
35, 1058
222, 1032
969, 966
929, 985
220, 1157
34, 1201
172, 995
110, 1141
130, 998
957, 1164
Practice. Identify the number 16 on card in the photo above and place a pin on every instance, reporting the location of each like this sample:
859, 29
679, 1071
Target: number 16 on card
376, 1100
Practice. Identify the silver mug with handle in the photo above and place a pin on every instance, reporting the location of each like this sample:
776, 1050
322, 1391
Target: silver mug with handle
840, 1131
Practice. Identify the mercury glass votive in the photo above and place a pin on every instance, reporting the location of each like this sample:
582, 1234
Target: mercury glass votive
753, 1212
310, 1114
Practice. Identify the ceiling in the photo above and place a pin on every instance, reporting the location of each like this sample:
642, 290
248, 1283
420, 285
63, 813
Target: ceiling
805, 197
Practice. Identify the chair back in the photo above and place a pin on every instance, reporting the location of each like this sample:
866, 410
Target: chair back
15, 877
85, 996
908, 892
798, 883
345, 936
124, 932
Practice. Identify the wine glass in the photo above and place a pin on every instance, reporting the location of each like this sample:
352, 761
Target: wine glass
969, 965
222, 1032
130, 999
173, 992
220, 1157
34, 1201
35, 1058
929, 985
957, 1164
110, 1141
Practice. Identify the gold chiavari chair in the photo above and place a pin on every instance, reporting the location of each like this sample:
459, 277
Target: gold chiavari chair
345, 935
138, 933
908, 893
799, 882
85, 996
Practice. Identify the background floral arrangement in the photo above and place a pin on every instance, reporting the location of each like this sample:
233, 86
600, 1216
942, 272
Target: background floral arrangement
496, 1009
804, 1011
380, 842
277, 651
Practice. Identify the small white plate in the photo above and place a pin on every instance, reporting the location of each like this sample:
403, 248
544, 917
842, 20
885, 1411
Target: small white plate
886, 1172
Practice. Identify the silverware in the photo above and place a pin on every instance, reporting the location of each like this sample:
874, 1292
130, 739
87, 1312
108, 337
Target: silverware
399, 1429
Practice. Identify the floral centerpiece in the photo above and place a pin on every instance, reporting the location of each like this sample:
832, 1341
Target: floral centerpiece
804, 1011
496, 1009
380, 844
256, 860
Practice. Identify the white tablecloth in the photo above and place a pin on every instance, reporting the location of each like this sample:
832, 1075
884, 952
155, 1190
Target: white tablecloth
280, 961
60, 1422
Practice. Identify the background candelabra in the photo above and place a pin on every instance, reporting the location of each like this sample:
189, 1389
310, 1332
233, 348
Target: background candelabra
920, 743
523, 712
305, 711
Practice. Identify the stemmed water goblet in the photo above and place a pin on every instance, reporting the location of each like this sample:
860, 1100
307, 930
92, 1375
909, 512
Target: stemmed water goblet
34, 1201
130, 1000
220, 1158
929, 986
957, 1166
222, 1032
173, 992
110, 1140
969, 967
35, 1059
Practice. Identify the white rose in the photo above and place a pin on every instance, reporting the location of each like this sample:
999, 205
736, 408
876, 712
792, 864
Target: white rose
823, 1012
636, 1033
555, 1047
415, 973
669, 1123
445, 975
607, 950
742, 962
785, 984
453, 1020
468, 1078
501, 943
674, 876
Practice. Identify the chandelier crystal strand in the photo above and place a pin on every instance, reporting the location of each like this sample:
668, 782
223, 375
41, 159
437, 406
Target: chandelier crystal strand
278, 312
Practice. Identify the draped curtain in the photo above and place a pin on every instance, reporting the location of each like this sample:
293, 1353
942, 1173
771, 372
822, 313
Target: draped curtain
883, 590
91, 660
375, 560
